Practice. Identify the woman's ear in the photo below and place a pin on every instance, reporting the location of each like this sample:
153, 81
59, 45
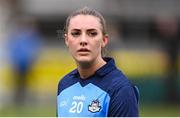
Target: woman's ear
66, 40
105, 40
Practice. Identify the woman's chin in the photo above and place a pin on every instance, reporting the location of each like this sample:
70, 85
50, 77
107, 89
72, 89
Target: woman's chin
83, 59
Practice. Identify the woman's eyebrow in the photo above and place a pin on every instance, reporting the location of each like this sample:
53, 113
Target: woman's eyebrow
75, 29
89, 30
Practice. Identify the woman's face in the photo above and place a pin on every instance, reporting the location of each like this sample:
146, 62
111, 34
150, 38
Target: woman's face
84, 38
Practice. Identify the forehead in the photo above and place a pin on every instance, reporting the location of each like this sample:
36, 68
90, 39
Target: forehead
84, 22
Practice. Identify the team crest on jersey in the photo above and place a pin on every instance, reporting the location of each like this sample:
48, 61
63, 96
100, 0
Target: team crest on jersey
94, 106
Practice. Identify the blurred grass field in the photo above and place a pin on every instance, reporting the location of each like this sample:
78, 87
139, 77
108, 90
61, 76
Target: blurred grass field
160, 110
50, 111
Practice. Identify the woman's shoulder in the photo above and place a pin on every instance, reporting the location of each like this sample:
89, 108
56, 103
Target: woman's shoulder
118, 77
114, 80
69, 76
67, 80
119, 83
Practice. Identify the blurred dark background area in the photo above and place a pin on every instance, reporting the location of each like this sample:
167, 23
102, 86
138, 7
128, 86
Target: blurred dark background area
144, 40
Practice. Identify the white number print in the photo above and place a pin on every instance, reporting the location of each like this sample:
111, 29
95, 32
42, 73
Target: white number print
76, 107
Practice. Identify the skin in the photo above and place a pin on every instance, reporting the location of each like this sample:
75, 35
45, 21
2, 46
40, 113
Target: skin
85, 41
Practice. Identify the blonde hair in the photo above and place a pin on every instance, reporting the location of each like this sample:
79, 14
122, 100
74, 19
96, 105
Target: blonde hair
87, 11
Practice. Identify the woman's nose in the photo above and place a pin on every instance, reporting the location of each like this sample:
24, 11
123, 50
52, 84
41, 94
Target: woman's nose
83, 40
83, 43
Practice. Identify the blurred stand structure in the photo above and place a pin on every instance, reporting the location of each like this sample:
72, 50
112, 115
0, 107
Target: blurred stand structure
5, 13
144, 42
168, 32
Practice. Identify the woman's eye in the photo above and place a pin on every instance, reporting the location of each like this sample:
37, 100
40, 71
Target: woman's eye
92, 34
75, 34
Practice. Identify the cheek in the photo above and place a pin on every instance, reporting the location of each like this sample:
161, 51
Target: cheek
99, 43
71, 45
71, 42
97, 46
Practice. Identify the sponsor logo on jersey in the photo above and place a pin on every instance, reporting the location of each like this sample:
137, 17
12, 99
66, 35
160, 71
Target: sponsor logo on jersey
82, 98
94, 106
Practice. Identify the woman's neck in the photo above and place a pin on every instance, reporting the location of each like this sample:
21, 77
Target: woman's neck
86, 70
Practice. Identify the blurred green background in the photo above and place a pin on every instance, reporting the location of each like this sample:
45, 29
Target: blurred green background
144, 40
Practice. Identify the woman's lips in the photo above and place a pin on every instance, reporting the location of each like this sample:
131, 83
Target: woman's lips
83, 51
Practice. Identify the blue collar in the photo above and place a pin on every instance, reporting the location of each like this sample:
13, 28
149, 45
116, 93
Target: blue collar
108, 67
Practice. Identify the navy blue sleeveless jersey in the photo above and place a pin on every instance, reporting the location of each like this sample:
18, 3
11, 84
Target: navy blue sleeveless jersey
107, 93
